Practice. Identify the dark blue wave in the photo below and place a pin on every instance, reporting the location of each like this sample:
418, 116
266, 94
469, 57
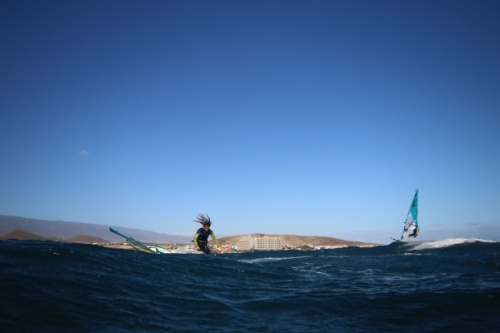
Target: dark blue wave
419, 287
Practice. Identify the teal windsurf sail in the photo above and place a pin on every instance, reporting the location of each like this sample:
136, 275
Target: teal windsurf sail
410, 228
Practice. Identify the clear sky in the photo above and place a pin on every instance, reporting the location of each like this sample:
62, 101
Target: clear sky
290, 117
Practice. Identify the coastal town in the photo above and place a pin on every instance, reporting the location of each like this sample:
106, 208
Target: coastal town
234, 244
74, 232
258, 242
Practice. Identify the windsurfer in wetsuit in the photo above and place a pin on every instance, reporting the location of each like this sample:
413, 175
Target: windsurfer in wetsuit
201, 237
415, 233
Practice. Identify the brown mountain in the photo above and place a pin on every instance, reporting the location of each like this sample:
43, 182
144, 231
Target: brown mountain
84, 239
61, 230
76, 232
294, 241
25, 235
22, 235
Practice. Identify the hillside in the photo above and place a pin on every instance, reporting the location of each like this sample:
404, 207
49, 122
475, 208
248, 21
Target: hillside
63, 230
23, 235
77, 232
293, 241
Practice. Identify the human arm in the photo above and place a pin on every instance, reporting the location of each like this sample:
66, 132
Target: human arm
214, 238
195, 240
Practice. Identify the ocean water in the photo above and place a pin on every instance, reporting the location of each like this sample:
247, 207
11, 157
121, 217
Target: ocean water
443, 286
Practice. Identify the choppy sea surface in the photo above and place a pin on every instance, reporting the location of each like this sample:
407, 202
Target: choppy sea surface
443, 286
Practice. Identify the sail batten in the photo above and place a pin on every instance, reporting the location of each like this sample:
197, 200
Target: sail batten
410, 228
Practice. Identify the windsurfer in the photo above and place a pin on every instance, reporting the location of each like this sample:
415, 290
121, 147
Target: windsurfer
201, 237
415, 233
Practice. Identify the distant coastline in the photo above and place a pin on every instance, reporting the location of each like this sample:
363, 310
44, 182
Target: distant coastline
12, 227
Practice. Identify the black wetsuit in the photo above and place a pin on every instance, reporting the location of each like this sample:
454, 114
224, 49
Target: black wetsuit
201, 239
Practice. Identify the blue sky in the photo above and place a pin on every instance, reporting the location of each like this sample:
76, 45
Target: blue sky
291, 117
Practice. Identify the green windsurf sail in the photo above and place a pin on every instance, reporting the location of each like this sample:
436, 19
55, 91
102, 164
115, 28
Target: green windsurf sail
139, 245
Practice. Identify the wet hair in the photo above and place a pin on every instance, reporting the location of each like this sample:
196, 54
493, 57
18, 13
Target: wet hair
203, 219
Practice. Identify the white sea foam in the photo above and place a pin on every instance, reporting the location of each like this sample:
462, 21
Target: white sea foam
269, 259
446, 243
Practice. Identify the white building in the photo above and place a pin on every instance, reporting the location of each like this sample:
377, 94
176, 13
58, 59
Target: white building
260, 243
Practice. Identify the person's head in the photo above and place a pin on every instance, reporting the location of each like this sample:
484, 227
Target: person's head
204, 220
